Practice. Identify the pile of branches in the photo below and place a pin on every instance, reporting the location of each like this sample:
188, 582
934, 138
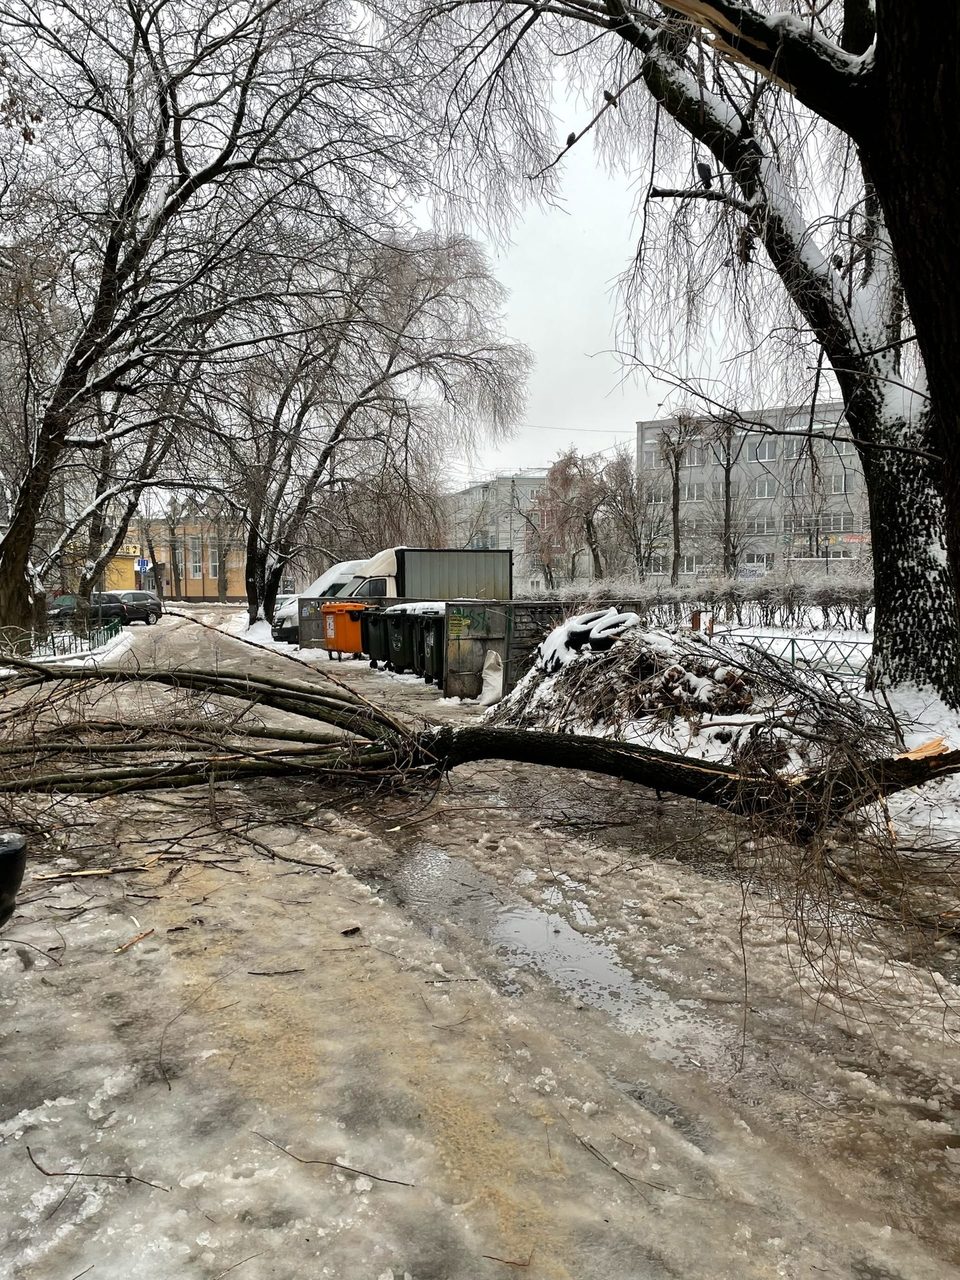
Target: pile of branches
73, 730
603, 673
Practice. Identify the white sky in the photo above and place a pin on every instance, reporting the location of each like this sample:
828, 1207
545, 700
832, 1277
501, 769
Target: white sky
561, 269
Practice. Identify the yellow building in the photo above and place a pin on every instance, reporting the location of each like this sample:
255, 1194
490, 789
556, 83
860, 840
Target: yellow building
196, 560
121, 572
193, 562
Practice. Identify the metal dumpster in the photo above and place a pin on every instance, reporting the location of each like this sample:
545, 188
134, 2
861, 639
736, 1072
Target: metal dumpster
434, 646
374, 637
341, 627
400, 633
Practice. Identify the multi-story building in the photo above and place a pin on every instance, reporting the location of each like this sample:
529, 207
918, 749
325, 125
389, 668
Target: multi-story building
497, 513
780, 488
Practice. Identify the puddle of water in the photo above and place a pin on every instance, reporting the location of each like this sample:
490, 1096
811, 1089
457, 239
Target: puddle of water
439, 891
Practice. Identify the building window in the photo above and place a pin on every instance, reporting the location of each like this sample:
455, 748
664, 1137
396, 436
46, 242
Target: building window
694, 492
764, 450
799, 487
691, 564
658, 496
837, 522
839, 553
761, 525
800, 524
196, 558
764, 487
844, 447
758, 560
695, 455
658, 564
841, 482
214, 562
795, 447
652, 457
176, 556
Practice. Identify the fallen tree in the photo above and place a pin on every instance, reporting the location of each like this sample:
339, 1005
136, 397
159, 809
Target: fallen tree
72, 730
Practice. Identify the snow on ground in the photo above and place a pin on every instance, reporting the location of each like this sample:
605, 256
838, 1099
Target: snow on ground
546, 1003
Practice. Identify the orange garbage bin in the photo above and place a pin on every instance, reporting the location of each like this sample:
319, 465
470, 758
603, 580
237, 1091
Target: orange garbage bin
341, 627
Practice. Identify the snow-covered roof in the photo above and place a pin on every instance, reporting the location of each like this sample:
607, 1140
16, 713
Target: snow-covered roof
382, 565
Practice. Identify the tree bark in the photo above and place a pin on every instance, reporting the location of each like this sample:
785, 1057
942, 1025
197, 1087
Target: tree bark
913, 150
916, 627
674, 464
19, 604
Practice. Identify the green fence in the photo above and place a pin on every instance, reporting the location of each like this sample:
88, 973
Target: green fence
56, 644
845, 657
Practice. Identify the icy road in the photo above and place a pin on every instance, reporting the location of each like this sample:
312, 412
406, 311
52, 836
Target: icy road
532, 1028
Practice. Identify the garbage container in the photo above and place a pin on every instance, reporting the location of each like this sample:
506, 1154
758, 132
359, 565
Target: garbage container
416, 642
400, 637
374, 637
341, 627
13, 860
434, 647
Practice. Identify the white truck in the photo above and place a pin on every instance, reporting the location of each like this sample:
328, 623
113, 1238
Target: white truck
433, 573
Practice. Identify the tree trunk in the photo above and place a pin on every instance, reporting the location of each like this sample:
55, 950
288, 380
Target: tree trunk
152, 553
675, 519
223, 544
913, 149
916, 634
20, 603
593, 544
255, 572
175, 563
729, 566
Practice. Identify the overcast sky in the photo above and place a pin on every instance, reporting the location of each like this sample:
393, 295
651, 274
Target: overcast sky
561, 269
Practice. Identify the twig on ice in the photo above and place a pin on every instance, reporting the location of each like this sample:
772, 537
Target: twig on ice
79, 1173
333, 1164
132, 942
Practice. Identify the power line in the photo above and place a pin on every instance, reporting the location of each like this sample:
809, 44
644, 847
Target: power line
581, 431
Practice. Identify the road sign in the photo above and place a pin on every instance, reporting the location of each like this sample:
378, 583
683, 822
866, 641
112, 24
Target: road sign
142, 565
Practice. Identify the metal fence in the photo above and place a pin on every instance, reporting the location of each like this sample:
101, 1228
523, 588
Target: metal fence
844, 657
56, 644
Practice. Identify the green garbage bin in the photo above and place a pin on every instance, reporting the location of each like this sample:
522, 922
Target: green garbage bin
376, 641
434, 647
400, 637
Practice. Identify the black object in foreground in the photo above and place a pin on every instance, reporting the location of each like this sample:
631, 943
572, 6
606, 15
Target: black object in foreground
13, 860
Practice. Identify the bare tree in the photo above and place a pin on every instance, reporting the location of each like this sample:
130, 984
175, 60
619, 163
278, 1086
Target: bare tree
568, 517
675, 439
402, 361
184, 152
635, 522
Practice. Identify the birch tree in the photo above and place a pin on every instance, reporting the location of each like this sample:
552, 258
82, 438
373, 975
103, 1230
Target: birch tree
802, 143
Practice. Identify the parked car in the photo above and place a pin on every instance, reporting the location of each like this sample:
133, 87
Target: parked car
104, 605
142, 606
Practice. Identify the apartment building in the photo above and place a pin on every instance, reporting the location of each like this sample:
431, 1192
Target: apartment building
771, 489
499, 512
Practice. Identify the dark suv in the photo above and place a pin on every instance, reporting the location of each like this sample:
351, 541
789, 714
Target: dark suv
142, 606
104, 605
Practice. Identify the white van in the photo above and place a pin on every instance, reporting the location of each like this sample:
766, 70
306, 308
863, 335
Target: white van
332, 583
